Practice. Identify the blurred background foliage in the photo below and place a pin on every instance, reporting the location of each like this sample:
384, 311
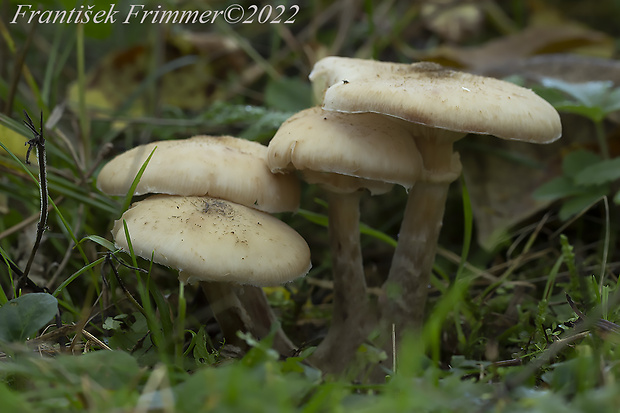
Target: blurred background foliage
489, 345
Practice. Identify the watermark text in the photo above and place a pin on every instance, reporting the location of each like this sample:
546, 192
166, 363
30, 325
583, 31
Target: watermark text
139, 13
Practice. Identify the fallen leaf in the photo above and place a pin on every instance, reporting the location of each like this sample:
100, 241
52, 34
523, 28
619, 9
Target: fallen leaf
500, 183
534, 40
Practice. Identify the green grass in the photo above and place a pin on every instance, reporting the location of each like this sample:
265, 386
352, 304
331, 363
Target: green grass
499, 334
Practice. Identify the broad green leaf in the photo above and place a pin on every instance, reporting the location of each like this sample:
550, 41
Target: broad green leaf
22, 317
557, 188
594, 100
588, 93
595, 113
599, 173
582, 202
109, 369
577, 161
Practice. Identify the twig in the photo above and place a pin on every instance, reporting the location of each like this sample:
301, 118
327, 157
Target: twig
130, 297
603, 327
39, 142
91, 337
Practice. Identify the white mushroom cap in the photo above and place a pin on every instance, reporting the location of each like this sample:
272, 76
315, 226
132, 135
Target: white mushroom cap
335, 148
428, 94
210, 239
223, 167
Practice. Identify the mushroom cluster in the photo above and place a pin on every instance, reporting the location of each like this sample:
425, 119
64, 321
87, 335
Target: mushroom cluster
213, 223
430, 108
379, 124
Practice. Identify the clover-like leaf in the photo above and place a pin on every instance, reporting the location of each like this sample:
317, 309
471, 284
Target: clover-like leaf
21, 317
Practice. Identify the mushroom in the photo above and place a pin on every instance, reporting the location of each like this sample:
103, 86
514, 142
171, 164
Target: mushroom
213, 240
223, 167
345, 154
440, 106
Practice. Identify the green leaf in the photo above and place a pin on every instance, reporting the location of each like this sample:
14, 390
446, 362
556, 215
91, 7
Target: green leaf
577, 161
112, 370
101, 241
288, 94
111, 323
595, 113
13, 401
588, 93
22, 317
582, 202
136, 181
557, 188
594, 100
599, 173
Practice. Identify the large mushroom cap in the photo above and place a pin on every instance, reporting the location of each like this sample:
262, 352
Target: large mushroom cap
367, 146
223, 167
210, 239
428, 94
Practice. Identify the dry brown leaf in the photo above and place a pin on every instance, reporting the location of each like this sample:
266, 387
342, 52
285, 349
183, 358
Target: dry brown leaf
501, 186
531, 41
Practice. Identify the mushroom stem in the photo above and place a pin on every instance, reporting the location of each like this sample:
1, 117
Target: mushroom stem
351, 321
406, 287
244, 308
407, 283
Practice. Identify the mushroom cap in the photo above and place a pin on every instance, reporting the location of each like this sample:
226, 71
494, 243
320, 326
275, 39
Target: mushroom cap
334, 148
223, 167
209, 239
429, 94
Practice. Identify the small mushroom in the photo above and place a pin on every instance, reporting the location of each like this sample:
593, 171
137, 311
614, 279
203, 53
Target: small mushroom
345, 154
219, 242
211, 239
219, 166
440, 106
